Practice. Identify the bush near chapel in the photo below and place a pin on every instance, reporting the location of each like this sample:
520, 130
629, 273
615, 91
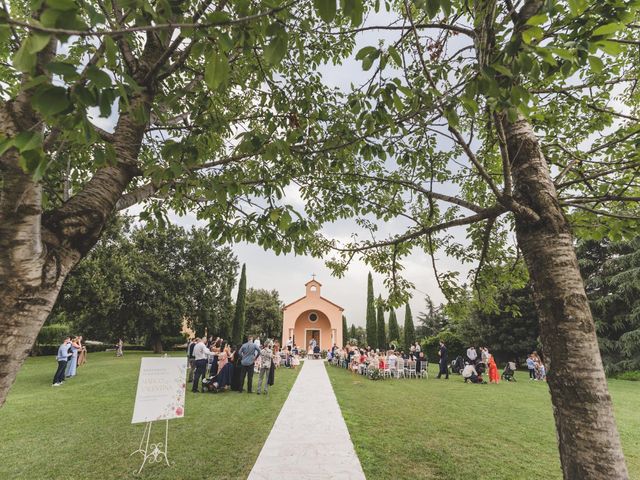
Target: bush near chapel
455, 346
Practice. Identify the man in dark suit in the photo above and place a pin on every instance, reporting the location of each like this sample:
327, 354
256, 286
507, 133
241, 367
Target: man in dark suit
442, 353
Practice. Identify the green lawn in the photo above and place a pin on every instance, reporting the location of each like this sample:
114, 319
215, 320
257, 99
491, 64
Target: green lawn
445, 429
82, 430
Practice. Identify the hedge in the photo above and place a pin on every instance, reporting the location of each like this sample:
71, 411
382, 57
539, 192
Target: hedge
455, 346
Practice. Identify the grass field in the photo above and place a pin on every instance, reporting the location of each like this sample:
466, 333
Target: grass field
445, 429
82, 430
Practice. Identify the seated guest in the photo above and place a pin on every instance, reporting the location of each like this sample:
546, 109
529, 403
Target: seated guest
421, 358
470, 373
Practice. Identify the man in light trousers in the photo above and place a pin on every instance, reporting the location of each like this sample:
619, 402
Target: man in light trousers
266, 357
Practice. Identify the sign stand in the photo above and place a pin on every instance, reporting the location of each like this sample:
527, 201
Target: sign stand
159, 397
154, 452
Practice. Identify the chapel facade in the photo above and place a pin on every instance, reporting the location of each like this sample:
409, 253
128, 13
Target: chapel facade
312, 317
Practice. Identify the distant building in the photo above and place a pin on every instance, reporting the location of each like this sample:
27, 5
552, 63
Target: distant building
312, 316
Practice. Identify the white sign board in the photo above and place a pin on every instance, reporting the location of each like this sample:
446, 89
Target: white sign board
161, 389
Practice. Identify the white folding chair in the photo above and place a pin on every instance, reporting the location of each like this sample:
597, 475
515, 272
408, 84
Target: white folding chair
400, 368
410, 369
424, 369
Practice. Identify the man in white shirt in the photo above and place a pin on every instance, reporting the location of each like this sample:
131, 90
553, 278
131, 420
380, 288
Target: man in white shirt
200, 353
472, 355
469, 373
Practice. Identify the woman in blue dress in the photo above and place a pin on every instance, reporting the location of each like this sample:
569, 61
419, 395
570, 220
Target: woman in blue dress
72, 364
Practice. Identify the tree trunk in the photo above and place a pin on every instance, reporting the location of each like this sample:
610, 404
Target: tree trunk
155, 342
587, 435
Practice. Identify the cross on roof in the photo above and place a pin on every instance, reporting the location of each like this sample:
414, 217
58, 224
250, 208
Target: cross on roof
313, 275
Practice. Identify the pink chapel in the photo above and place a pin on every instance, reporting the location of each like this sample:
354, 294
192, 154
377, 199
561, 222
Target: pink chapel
312, 317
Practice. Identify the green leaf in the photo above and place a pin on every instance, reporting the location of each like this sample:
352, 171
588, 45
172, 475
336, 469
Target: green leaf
23, 60
354, 10
596, 64
502, 69
393, 53
326, 9
608, 29
365, 52
64, 5
66, 70
577, 7
537, 19
432, 7
532, 34
38, 41
25, 141
50, 100
609, 47
216, 71
98, 77
277, 49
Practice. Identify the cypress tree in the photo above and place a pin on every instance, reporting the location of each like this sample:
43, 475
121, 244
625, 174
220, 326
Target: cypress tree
237, 329
409, 330
382, 337
394, 329
345, 331
353, 333
372, 335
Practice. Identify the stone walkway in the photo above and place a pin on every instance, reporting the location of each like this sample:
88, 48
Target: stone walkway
309, 440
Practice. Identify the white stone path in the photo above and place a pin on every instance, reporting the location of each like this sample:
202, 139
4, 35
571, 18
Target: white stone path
309, 440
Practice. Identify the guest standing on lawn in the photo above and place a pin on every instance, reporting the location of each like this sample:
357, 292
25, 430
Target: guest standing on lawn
248, 353
200, 353
266, 362
444, 369
62, 357
119, 345
82, 353
72, 364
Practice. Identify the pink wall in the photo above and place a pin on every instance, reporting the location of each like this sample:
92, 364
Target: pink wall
296, 318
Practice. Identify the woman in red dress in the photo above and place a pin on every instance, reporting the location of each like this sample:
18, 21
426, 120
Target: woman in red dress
494, 377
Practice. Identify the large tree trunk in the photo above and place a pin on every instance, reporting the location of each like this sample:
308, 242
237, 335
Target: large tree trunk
587, 434
38, 250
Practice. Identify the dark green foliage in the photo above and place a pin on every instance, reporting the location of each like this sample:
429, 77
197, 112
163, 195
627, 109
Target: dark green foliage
237, 330
263, 313
394, 329
611, 271
141, 284
510, 331
409, 331
345, 331
454, 343
371, 326
353, 333
380, 325
432, 321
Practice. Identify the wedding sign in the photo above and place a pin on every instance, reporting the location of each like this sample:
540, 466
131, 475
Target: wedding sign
161, 389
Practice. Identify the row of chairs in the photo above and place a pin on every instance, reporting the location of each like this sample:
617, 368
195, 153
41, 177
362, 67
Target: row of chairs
406, 369
401, 369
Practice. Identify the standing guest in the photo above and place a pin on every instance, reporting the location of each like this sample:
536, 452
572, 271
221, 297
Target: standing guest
494, 376
442, 353
531, 366
62, 358
295, 361
289, 344
274, 364
266, 363
421, 358
237, 370
190, 358
119, 345
472, 355
256, 342
82, 352
484, 353
248, 352
418, 348
200, 353
72, 364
